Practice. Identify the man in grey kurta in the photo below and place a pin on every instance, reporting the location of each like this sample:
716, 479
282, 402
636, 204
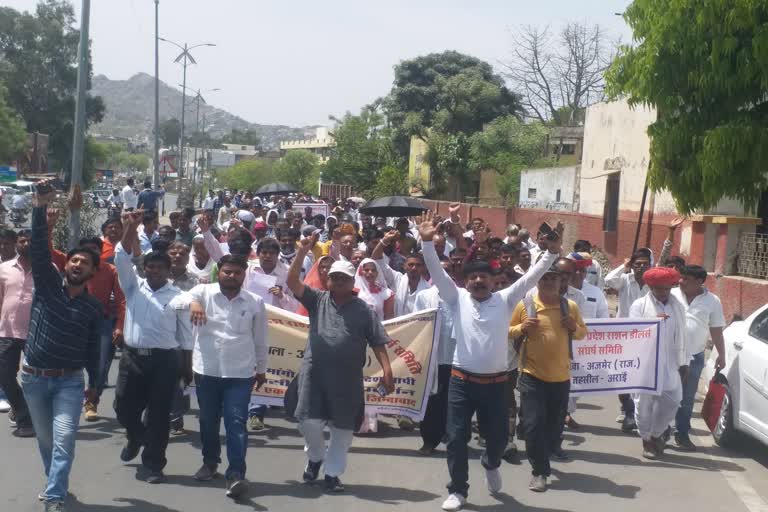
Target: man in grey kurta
341, 328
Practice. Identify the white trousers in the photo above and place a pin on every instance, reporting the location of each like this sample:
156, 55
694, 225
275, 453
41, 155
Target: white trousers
653, 414
335, 456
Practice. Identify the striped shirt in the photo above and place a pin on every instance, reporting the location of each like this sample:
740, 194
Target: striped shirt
63, 332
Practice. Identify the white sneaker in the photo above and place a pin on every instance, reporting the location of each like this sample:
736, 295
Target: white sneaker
493, 480
454, 502
4, 406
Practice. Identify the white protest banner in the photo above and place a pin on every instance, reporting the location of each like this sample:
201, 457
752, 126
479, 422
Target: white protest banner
321, 208
411, 350
618, 355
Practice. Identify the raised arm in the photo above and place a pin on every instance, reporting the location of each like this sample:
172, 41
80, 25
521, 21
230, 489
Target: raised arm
666, 248
293, 280
445, 285
123, 262
44, 274
211, 244
614, 279
517, 291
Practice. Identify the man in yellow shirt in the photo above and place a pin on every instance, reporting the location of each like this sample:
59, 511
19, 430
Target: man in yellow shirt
548, 322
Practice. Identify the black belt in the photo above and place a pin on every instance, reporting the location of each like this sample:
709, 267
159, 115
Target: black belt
147, 352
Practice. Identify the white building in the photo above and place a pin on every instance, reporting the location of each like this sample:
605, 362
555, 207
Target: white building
551, 188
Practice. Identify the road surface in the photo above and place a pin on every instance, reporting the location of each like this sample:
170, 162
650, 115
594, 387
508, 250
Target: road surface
606, 474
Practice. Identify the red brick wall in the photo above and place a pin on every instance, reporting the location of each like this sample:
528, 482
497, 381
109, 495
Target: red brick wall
740, 295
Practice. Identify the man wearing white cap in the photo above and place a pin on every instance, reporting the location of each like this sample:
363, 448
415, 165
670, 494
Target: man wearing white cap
330, 387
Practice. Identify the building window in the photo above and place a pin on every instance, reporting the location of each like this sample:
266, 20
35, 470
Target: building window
611, 208
557, 196
531, 193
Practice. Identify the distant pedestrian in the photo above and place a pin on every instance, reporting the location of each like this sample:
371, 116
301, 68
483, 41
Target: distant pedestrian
129, 196
148, 198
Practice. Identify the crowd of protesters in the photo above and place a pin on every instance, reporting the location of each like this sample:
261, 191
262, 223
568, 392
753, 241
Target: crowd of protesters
184, 303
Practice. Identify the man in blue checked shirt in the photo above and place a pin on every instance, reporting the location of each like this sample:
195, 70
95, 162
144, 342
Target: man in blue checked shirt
64, 334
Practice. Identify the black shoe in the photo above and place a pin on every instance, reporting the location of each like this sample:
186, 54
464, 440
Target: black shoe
684, 443
156, 477
24, 432
236, 488
12, 418
333, 484
206, 473
629, 424
559, 454
312, 471
667, 435
130, 451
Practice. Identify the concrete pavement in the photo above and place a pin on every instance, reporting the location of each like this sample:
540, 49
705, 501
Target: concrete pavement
606, 473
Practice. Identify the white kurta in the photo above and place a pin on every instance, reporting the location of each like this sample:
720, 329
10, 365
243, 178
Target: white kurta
653, 413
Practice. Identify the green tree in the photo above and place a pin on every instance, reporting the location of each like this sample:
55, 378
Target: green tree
363, 148
170, 132
702, 65
391, 181
38, 64
297, 168
247, 175
12, 135
445, 98
507, 146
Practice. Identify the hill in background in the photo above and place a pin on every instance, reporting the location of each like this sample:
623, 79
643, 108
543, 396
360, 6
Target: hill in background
131, 112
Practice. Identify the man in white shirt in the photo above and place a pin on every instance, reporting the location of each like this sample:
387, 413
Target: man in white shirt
209, 201
156, 326
595, 271
627, 279
703, 319
479, 374
229, 359
130, 198
407, 285
655, 412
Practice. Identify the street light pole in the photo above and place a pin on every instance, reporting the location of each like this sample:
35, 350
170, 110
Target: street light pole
185, 58
156, 156
183, 111
78, 143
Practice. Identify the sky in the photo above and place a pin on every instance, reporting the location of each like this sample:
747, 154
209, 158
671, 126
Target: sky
297, 62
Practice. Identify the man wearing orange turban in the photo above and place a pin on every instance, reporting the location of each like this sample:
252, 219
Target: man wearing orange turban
654, 413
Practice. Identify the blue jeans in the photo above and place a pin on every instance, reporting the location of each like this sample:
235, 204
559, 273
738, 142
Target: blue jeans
229, 397
54, 404
691, 384
464, 399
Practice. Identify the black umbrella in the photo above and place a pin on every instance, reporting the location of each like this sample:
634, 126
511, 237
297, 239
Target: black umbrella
394, 206
276, 188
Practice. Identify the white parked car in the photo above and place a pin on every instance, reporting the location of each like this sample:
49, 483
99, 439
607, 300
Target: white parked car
745, 406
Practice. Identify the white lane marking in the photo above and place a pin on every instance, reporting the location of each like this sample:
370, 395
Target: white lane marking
736, 480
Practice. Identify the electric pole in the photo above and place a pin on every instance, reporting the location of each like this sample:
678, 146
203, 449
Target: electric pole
156, 156
78, 143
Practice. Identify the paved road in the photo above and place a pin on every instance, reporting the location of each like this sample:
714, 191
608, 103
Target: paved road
606, 474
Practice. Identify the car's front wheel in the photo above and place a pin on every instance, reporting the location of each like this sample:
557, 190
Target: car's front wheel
724, 432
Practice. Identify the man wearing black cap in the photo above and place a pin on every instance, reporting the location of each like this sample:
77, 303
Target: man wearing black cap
479, 375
